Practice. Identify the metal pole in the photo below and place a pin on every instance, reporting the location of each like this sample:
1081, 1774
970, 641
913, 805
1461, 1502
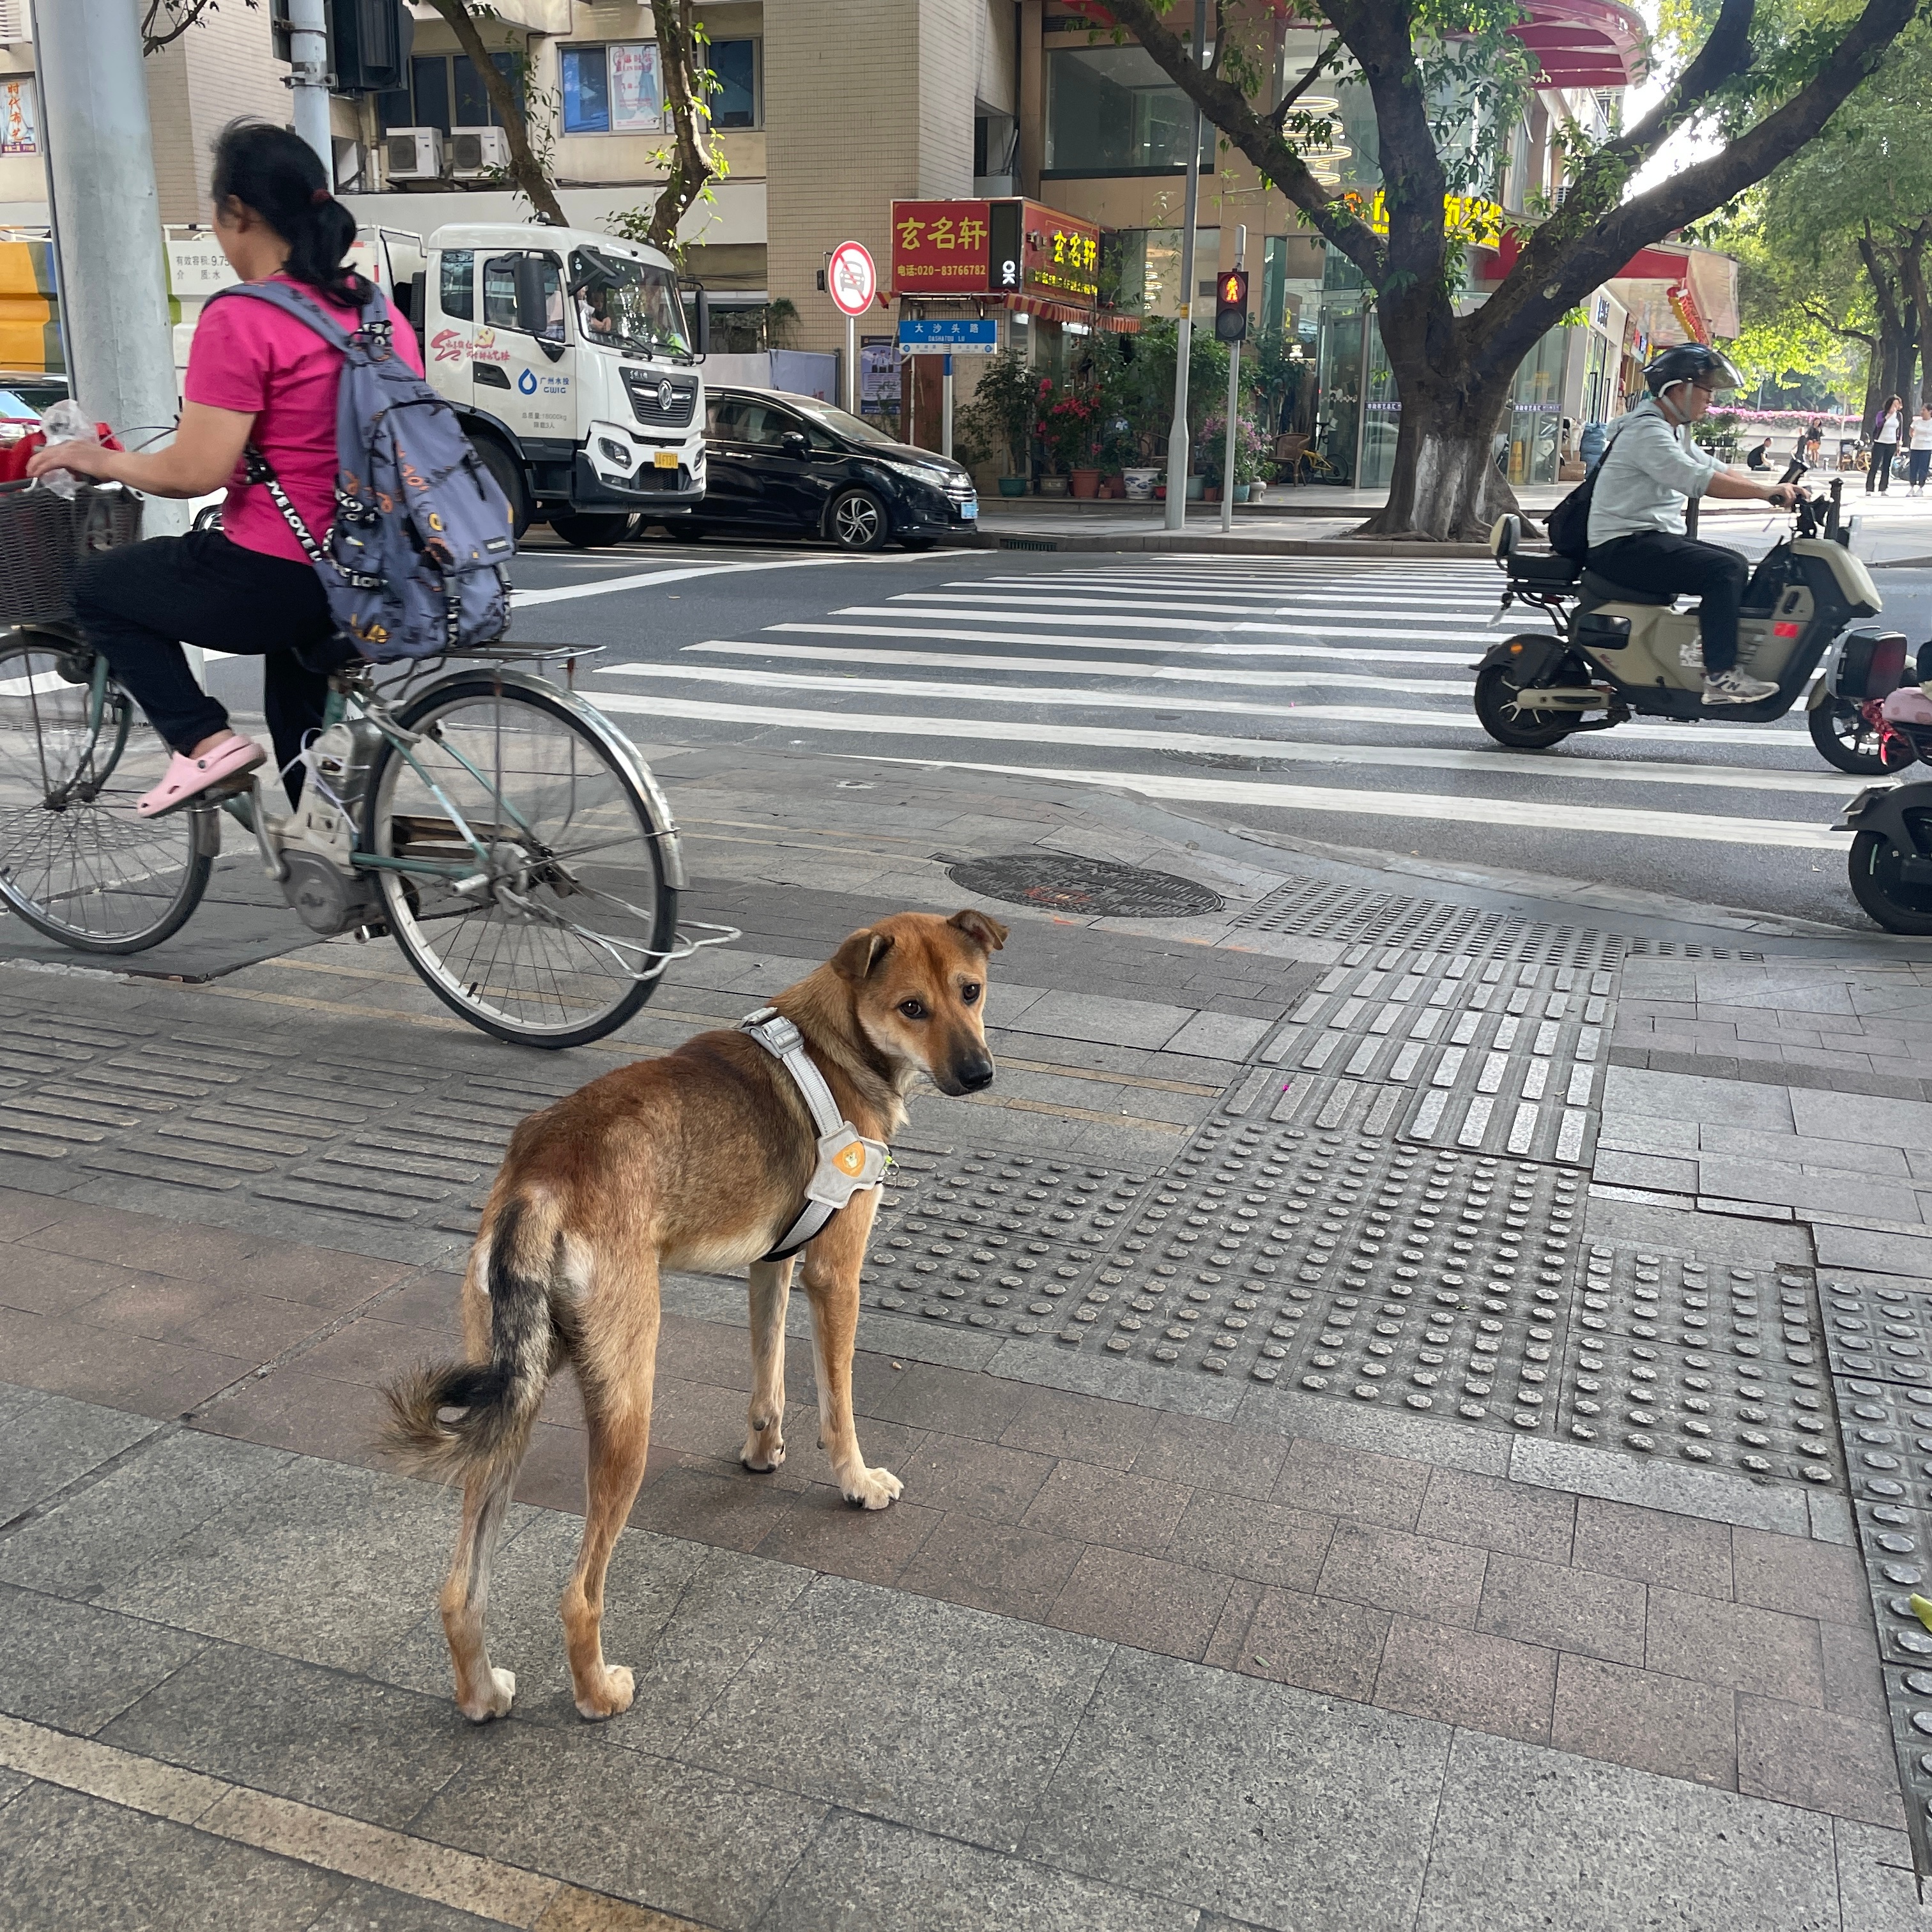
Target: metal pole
1177, 437
308, 79
1234, 393
946, 408
851, 365
113, 276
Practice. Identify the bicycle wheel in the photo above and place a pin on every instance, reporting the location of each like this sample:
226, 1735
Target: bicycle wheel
75, 862
544, 943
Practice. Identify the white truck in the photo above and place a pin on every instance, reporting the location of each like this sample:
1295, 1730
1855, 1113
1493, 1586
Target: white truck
571, 359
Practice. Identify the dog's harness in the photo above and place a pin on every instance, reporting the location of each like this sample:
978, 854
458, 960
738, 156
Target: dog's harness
847, 1162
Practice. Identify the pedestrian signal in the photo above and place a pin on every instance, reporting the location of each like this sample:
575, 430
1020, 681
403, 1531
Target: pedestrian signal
1231, 306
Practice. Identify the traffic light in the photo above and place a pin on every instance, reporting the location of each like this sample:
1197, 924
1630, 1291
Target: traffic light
1230, 307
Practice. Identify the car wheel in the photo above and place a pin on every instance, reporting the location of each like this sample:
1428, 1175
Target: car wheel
593, 530
857, 520
508, 475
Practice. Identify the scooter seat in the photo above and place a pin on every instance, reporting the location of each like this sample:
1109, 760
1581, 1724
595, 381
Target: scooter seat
1602, 590
1542, 567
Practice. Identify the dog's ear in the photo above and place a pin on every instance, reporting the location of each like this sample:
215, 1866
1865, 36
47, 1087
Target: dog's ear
989, 935
857, 955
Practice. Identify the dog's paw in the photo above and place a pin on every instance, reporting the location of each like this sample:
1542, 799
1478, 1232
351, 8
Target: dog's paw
495, 1701
872, 1489
761, 1456
612, 1693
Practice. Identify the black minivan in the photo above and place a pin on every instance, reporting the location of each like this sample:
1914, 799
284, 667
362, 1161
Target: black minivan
777, 461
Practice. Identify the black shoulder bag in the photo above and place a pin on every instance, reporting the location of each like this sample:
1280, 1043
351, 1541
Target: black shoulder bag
1569, 524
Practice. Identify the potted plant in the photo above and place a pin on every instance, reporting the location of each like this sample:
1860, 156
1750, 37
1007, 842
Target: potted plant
1251, 453
1001, 417
1067, 413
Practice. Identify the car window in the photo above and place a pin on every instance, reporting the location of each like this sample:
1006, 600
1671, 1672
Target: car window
13, 409
499, 295
458, 295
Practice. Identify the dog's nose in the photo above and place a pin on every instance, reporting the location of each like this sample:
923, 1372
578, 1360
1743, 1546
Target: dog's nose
972, 1074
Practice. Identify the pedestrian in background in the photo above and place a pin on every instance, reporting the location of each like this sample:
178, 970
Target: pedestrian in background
1885, 445
1918, 460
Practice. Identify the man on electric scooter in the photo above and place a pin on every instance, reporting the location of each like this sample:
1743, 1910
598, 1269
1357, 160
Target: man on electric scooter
1650, 470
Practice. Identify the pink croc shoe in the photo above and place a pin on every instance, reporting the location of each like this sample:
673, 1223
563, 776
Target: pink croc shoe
187, 779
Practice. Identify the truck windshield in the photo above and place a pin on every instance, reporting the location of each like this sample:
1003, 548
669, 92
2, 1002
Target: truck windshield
628, 304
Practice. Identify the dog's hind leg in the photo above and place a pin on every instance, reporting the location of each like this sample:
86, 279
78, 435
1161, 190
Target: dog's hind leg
616, 1365
764, 1441
832, 1263
482, 1692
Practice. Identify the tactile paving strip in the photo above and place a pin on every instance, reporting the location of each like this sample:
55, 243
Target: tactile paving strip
1877, 1329
1712, 1361
1503, 1056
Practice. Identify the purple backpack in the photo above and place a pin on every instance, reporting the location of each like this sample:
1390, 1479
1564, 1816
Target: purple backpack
414, 562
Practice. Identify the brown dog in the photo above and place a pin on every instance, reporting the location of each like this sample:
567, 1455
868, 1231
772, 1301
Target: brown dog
696, 1160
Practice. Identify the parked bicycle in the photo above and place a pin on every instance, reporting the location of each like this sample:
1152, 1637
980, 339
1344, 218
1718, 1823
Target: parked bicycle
497, 826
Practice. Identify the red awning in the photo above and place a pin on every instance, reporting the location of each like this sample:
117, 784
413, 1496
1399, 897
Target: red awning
1059, 311
1655, 264
1592, 43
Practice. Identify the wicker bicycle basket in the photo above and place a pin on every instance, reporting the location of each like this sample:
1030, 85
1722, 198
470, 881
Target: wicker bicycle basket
45, 538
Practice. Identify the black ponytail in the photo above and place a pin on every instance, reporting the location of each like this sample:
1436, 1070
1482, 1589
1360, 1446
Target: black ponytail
278, 175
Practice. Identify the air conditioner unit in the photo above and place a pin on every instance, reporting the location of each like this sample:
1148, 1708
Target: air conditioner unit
476, 151
413, 154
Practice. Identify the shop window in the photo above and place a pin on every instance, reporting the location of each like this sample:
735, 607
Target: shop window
1150, 267
1111, 110
457, 295
617, 89
446, 91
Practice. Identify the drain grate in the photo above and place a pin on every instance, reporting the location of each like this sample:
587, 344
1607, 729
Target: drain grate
1067, 883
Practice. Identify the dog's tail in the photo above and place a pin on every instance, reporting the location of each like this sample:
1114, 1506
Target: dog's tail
451, 1420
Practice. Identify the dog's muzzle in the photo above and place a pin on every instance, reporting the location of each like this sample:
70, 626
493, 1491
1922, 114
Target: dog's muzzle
972, 1076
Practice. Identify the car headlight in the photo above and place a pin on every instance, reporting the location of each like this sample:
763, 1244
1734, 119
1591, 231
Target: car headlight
919, 472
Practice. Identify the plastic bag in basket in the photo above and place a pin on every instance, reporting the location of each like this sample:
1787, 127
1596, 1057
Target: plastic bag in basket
66, 421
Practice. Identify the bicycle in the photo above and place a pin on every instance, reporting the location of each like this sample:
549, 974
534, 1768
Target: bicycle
496, 825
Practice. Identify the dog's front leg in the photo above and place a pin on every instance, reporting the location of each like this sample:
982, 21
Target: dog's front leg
771, 1292
832, 1264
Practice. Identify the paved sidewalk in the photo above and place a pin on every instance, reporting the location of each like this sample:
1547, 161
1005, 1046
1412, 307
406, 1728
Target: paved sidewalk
1406, 1407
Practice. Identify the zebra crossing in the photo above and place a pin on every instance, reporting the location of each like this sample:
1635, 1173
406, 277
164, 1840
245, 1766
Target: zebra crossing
1229, 684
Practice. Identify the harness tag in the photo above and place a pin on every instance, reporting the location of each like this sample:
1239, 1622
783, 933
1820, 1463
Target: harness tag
848, 1164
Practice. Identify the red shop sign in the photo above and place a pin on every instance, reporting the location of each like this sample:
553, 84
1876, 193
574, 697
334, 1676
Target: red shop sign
939, 247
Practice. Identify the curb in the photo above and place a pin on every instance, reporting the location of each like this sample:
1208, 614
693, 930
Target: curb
1215, 543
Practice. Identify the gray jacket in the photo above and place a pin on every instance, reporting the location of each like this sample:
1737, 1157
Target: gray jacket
1649, 473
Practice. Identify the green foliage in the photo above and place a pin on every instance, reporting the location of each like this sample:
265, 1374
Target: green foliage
999, 420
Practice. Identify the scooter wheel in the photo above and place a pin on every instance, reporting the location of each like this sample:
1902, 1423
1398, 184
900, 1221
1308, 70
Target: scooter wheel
1498, 701
1877, 886
1845, 737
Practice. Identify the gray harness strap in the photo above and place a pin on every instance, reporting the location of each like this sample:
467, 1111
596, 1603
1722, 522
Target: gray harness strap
847, 1162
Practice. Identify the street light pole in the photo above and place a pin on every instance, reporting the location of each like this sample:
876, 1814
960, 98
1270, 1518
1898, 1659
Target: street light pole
1234, 392
308, 79
1177, 437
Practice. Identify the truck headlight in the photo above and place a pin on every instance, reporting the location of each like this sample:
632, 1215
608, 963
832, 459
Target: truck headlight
613, 453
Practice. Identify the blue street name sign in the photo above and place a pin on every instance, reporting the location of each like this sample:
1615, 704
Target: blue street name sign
949, 335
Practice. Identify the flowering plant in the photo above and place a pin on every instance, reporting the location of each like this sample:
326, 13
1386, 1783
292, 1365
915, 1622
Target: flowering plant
1067, 421
1252, 448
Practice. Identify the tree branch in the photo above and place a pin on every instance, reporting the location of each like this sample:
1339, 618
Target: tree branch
1726, 54
526, 170
182, 15
1825, 321
687, 88
1279, 119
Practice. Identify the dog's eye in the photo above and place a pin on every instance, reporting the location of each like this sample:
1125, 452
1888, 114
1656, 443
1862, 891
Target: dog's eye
913, 1010
969, 991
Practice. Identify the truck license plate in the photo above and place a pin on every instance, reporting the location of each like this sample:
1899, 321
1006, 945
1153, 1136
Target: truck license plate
666, 459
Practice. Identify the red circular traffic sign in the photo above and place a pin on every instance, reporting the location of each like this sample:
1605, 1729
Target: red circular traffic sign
851, 279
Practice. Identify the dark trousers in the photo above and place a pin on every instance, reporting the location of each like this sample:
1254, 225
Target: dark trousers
1878, 473
138, 605
1917, 463
1655, 560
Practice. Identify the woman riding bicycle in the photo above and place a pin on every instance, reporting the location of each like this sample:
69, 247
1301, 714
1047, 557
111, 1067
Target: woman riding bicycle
256, 378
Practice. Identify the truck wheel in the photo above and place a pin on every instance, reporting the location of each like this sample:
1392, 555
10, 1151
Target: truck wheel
1845, 737
591, 532
1876, 885
857, 520
509, 478
1497, 696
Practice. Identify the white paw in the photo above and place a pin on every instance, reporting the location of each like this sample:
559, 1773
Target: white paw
612, 1694
759, 1457
495, 1701
872, 1489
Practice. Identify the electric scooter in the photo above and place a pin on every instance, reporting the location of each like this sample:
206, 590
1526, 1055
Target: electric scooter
1619, 652
1890, 864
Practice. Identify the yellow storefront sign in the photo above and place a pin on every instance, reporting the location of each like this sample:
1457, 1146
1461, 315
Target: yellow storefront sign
29, 334
1480, 223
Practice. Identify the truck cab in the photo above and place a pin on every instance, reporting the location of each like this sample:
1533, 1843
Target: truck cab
571, 359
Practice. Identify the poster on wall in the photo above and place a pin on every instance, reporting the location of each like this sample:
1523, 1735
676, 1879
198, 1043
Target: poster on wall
636, 92
17, 125
878, 375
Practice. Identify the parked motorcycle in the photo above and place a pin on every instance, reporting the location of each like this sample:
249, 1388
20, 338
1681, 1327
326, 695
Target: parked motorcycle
1619, 652
1890, 863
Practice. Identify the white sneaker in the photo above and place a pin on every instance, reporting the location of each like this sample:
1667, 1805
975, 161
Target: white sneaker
1732, 687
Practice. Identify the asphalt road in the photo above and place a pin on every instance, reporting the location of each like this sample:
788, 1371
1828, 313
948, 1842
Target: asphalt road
1325, 700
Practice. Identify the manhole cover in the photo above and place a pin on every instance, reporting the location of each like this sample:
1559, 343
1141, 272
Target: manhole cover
1068, 884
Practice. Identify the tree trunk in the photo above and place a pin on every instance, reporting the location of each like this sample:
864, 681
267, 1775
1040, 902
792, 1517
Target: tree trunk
526, 170
693, 156
1445, 486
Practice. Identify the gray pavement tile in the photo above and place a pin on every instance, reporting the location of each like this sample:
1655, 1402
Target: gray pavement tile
1268, 1542
574, 1805
1736, 1646
76, 1864
1088, 1429
329, 1564
1143, 1601
1878, 1891
1630, 1090
1365, 1432
1657, 1135
51, 1442
1713, 1496
1756, 1179
1854, 1681
1224, 1649
1212, 1455
1907, 1254
1801, 1576
1264, 1802
1551, 1604
823, 1531
1644, 1170
1819, 1760
111, 1525
860, 1875
1467, 1678
1676, 1229
1093, 1505
1220, 1035
1636, 1717
982, 1479
1336, 1481
1121, 1022
1317, 1643
990, 1566
951, 1401
1527, 1838
369, 1908
1862, 1158
75, 1665
1859, 1117
327, 1738
1517, 1518
942, 1716
1396, 1571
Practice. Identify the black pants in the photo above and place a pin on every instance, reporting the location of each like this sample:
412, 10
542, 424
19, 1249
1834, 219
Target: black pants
1917, 463
138, 606
1655, 560
1878, 474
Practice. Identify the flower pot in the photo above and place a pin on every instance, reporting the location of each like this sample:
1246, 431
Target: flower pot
1160, 492
1014, 486
1139, 484
1241, 493
1086, 483
1212, 493
1257, 492
1053, 486
1196, 487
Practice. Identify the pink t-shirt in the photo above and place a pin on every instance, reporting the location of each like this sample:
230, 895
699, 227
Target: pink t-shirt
255, 360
